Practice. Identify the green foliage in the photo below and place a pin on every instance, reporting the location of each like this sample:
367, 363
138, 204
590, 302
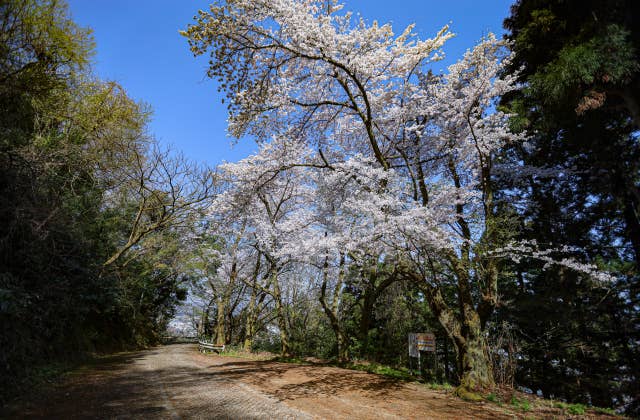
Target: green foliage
577, 409
560, 404
607, 57
520, 404
295, 360
66, 142
397, 310
436, 386
384, 370
492, 397
310, 332
609, 411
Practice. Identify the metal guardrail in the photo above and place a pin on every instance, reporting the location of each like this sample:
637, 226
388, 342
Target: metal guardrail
203, 346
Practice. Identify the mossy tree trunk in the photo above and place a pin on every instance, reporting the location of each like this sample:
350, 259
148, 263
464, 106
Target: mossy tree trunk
465, 326
477, 373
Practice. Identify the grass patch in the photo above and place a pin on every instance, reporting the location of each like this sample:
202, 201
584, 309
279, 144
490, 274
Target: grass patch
48, 372
290, 359
239, 352
234, 353
577, 409
581, 409
520, 404
439, 387
609, 411
496, 399
388, 371
43, 375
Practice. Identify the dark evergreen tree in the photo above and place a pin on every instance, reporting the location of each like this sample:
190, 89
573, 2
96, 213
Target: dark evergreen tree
580, 70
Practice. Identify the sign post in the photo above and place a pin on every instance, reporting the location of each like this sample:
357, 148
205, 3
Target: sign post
419, 342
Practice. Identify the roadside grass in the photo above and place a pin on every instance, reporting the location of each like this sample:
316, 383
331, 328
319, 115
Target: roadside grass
577, 409
49, 372
379, 369
582, 409
518, 402
291, 359
401, 374
609, 411
436, 386
388, 371
238, 351
493, 398
45, 375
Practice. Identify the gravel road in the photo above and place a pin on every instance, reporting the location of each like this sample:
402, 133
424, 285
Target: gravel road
168, 382
177, 382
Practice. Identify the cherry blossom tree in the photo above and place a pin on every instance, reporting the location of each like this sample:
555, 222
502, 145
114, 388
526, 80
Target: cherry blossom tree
367, 157
272, 204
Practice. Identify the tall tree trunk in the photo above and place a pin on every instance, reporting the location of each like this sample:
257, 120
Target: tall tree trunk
223, 304
465, 330
342, 339
473, 356
371, 293
365, 322
446, 358
476, 373
204, 320
221, 320
285, 349
252, 307
250, 325
343, 346
233, 322
281, 315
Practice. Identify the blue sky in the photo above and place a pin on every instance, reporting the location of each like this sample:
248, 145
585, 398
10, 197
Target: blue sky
138, 45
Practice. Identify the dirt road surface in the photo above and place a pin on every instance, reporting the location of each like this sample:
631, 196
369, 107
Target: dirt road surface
177, 382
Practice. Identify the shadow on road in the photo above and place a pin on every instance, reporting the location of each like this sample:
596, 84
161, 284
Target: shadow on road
175, 381
305, 380
165, 382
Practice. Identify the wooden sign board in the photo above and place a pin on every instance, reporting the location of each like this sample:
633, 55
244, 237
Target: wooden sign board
421, 342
